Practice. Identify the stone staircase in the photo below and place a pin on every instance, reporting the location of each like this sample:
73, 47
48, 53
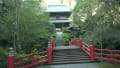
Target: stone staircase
59, 43
69, 54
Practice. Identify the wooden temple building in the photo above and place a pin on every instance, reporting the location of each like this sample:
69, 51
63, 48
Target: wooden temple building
59, 15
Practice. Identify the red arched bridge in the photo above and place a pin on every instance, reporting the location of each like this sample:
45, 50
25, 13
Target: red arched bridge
77, 51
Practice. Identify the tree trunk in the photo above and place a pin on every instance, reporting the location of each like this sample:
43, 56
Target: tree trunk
17, 26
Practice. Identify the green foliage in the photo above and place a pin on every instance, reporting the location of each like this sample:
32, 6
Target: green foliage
98, 20
3, 58
67, 38
34, 27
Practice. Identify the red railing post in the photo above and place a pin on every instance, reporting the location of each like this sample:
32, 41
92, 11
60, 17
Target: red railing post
92, 52
33, 59
11, 59
49, 53
81, 43
111, 56
74, 41
53, 44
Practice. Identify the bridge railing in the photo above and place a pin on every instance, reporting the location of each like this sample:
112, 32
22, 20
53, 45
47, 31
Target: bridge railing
85, 48
114, 55
32, 59
80, 44
51, 45
111, 55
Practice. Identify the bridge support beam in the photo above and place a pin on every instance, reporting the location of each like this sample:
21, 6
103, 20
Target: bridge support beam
11, 59
92, 52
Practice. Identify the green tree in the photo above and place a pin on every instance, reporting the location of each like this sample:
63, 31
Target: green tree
98, 20
34, 27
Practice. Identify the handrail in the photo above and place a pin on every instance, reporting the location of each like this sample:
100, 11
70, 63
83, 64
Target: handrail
91, 51
27, 66
31, 55
22, 62
73, 42
107, 50
111, 55
85, 44
32, 60
80, 44
85, 48
48, 56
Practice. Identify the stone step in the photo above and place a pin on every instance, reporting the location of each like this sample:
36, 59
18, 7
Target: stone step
61, 50
66, 62
65, 49
71, 57
68, 51
69, 54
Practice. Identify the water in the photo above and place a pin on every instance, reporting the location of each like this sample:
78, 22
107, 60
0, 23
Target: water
83, 65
